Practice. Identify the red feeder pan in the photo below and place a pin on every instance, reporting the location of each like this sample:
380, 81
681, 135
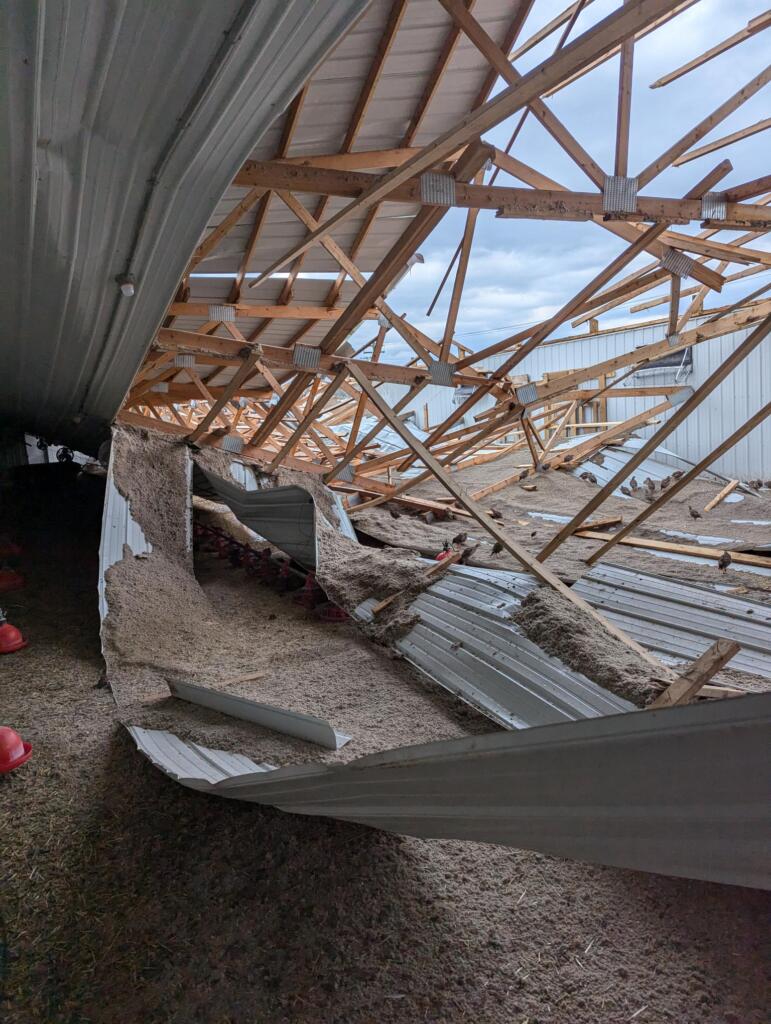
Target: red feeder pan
13, 750
10, 637
10, 580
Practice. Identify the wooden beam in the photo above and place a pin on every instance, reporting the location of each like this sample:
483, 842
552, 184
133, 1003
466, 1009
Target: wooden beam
611, 31
543, 33
694, 550
679, 415
554, 203
668, 157
726, 140
687, 685
227, 223
490, 525
729, 487
678, 8
273, 312
753, 26
623, 116
460, 278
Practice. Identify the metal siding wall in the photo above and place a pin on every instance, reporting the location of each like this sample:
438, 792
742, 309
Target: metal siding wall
724, 411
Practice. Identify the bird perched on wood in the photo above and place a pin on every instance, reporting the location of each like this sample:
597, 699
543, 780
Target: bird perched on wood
497, 548
648, 484
460, 539
724, 561
678, 473
495, 514
633, 483
467, 553
394, 514
693, 513
626, 491
446, 546
663, 484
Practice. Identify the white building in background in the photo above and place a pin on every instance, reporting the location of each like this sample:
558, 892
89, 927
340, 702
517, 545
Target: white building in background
730, 405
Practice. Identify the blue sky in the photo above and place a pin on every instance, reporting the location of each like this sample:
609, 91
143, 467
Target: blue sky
522, 271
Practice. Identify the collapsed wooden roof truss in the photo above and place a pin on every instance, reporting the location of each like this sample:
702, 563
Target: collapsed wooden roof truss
267, 365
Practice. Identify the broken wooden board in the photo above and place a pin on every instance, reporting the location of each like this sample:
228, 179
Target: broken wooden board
695, 550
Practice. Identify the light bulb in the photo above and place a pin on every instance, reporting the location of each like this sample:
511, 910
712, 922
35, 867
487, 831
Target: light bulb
127, 283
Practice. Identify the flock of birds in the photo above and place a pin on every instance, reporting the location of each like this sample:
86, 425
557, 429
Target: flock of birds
647, 492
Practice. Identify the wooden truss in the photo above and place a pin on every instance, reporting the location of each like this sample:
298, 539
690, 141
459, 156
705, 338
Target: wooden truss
319, 408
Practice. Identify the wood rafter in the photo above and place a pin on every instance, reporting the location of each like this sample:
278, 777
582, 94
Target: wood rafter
306, 411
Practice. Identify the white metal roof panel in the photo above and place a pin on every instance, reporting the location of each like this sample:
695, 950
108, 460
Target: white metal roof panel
677, 619
327, 110
682, 791
119, 137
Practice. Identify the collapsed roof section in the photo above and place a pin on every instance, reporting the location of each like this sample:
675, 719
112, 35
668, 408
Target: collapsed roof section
386, 138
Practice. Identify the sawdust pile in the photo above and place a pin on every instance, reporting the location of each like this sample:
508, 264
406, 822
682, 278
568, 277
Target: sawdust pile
350, 573
571, 634
151, 472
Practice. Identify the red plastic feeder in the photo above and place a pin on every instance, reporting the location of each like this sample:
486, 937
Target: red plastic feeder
311, 593
10, 637
330, 612
13, 750
10, 580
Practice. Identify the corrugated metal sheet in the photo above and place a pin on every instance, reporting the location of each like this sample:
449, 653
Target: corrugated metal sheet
328, 109
612, 458
321, 127
285, 516
680, 620
730, 405
113, 153
291, 723
679, 792
466, 642
119, 530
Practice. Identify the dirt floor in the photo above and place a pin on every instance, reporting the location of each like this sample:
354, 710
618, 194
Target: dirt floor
125, 897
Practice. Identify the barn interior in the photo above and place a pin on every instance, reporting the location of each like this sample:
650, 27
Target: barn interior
357, 666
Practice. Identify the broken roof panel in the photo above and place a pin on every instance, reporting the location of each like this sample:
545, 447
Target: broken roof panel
465, 641
639, 791
612, 458
680, 620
